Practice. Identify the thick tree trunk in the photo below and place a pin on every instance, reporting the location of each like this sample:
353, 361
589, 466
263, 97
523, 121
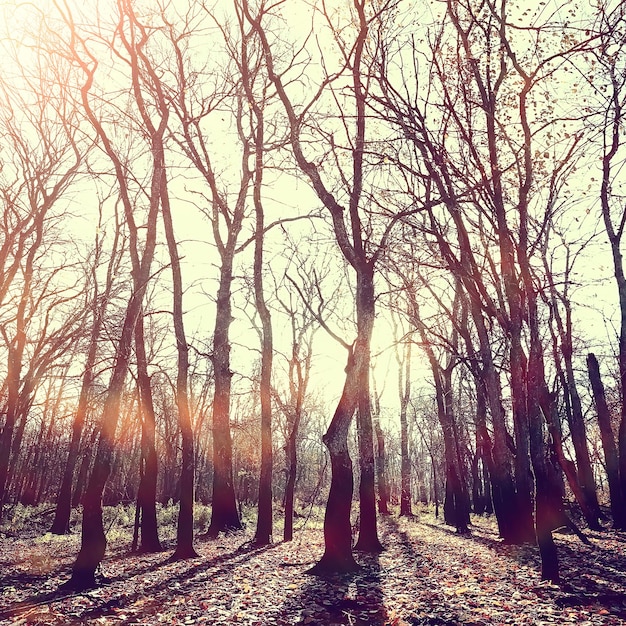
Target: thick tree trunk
456, 506
83, 470
338, 555
93, 540
618, 505
548, 504
224, 513
6, 438
524, 524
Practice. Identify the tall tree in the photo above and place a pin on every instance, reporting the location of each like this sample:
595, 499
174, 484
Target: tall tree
610, 55
352, 225
130, 46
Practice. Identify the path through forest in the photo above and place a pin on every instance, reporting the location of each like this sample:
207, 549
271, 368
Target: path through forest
427, 575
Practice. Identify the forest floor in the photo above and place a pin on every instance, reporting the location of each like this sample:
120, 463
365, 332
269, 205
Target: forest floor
427, 575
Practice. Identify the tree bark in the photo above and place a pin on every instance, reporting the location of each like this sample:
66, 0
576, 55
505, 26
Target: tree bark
298, 380
381, 473
93, 539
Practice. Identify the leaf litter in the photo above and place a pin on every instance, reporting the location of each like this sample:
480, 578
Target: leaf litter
427, 576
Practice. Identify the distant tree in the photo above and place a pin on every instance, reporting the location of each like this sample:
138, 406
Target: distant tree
41, 158
98, 303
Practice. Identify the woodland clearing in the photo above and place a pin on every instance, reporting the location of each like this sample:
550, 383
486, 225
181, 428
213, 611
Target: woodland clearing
427, 575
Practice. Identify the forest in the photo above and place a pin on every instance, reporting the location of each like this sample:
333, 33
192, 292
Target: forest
313, 311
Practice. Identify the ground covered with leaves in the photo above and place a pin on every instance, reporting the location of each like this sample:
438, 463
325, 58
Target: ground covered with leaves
427, 575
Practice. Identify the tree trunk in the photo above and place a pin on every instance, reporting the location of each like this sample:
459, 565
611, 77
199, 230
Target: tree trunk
405, 460
184, 530
83, 470
523, 476
365, 302
618, 505
148, 467
263, 534
456, 506
224, 513
338, 555
93, 540
290, 485
585, 491
548, 504
381, 474
297, 385
61, 522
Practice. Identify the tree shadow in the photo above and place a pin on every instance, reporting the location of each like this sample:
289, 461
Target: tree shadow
354, 599
525, 554
590, 574
118, 592
434, 608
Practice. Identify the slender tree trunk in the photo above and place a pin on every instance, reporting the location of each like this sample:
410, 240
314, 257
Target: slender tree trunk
290, 484
585, 489
405, 459
297, 384
613, 143
381, 474
61, 522
184, 531
99, 303
368, 534
264, 527
146, 493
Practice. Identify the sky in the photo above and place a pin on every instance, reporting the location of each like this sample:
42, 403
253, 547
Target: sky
286, 195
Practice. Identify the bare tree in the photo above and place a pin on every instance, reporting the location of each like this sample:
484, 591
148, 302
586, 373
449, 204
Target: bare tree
353, 227
129, 46
610, 55
42, 156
